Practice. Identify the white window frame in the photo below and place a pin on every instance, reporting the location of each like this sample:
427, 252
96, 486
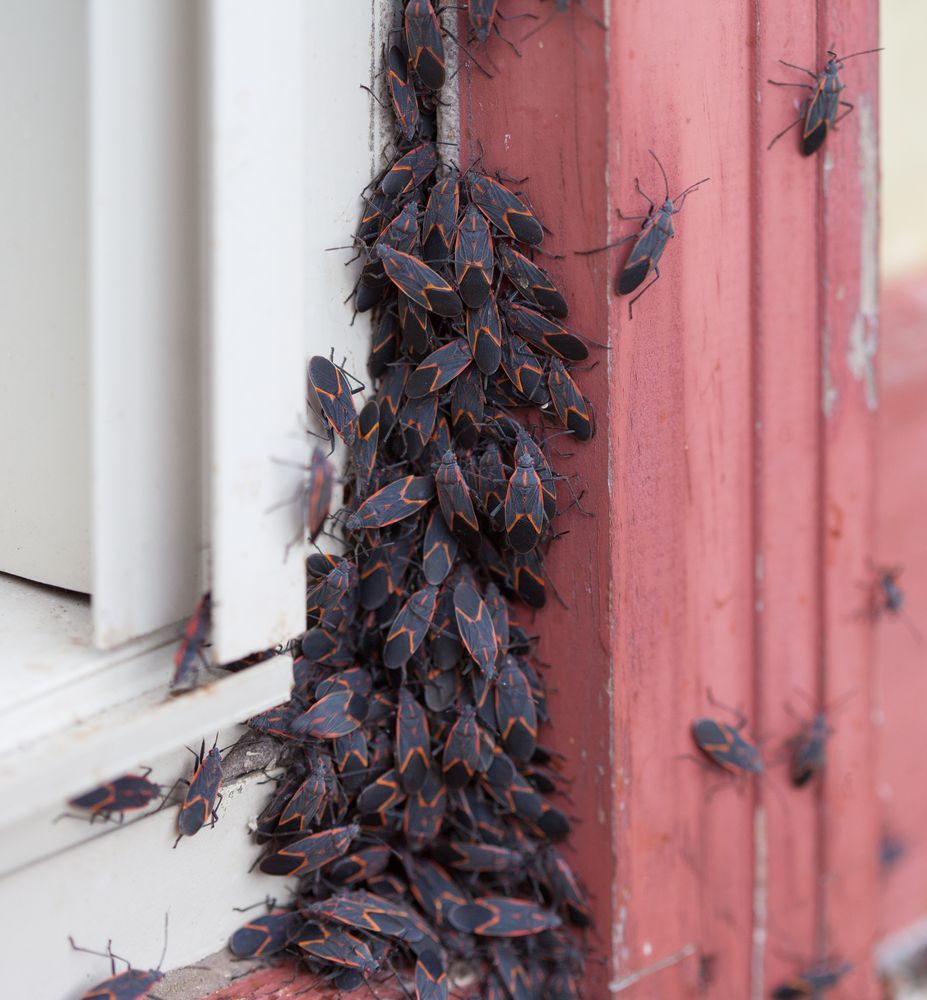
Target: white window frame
277, 91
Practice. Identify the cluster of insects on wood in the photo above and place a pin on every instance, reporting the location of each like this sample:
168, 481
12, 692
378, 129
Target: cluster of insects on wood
416, 810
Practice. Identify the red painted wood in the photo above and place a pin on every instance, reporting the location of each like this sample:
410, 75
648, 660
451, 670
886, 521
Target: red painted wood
901, 538
285, 980
738, 513
848, 276
547, 122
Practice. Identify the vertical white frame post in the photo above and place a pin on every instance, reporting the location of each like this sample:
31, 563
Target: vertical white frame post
144, 316
253, 82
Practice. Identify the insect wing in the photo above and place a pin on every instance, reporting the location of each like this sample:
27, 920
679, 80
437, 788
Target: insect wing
400, 499
504, 210
473, 259
420, 283
439, 220
265, 936
568, 401
484, 332
337, 714
132, 985
532, 281
410, 627
310, 853
475, 626
430, 977
439, 369
440, 549
200, 800
410, 170
423, 40
500, 916
402, 92
515, 711
335, 399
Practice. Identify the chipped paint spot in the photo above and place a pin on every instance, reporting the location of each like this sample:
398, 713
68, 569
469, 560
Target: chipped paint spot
864, 328
829, 387
760, 902
827, 167
647, 949
507, 140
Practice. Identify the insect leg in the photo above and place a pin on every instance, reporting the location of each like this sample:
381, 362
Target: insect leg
782, 133
839, 118
610, 246
801, 69
779, 83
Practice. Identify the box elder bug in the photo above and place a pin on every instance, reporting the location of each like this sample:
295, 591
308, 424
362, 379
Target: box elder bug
202, 798
820, 111
650, 242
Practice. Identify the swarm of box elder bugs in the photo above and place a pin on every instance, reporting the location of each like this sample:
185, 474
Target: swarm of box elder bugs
416, 816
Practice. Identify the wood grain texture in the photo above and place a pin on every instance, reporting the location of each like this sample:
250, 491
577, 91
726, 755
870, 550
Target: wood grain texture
731, 479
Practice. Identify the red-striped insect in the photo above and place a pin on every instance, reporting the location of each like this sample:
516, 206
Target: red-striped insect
134, 984
330, 649
420, 283
544, 333
813, 981
413, 742
461, 758
364, 453
364, 864
455, 502
467, 404
418, 332
439, 220
511, 970
121, 795
189, 656
439, 369
528, 579
490, 481
410, 170
482, 14
384, 346
417, 421
651, 240
395, 502
532, 281
381, 795
202, 800
475, 626
335, 398
424, 812
820, 112
392, 389
430, 977
515, 711
410, 627
377, 209
523, 370
525, 517
433, 888
501, 916
504, 210
306, 803
439, 549
473, 258
423, 40
473, 856
568, 401
565, 889
724, 746
484, 331
311, 853
338, 947
267, 935
337, 714
402, 92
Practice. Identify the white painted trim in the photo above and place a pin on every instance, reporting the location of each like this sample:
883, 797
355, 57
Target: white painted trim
144, 317
253, 82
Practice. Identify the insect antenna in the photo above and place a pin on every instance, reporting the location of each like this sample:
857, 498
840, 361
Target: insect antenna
852, 55
662, 171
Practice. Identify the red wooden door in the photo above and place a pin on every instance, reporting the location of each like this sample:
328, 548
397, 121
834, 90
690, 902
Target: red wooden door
731, 479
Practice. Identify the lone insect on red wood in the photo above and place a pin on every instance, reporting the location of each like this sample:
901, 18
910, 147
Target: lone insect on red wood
650, 242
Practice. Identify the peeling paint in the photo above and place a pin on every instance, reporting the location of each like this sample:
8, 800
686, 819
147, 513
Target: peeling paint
864, 329
620, 985
760, 902
828, 386
449, 103
826, 167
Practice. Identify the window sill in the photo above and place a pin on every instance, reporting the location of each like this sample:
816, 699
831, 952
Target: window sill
103, 712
